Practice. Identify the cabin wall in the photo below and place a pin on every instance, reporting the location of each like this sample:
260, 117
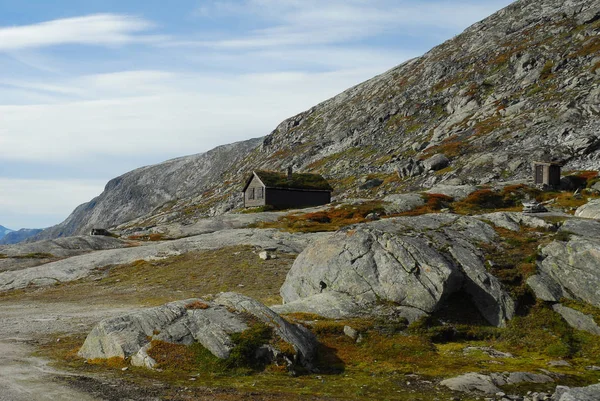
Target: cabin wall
296, 198
255, 194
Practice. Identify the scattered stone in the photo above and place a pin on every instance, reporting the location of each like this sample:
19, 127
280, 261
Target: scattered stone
410, 168
533, 207
577, 320
350, 332
265, 255
436, 162
369, 184
593, 368
489, 351
559, 363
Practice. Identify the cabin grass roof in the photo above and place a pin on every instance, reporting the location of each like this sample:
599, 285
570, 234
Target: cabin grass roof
306, 181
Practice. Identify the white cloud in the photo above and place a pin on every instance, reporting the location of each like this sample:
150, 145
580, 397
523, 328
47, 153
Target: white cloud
38, 203
150, 112
290, 22
98, 29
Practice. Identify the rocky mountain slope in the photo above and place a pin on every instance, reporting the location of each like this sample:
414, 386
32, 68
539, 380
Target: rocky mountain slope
140, 191
520, 85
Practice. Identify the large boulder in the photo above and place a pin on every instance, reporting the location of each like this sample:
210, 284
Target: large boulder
413, 262
210, 323
436, 162
471, 382
398, 203
590, 210
570, 269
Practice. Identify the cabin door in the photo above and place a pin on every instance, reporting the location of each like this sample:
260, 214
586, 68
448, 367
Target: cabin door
539, 174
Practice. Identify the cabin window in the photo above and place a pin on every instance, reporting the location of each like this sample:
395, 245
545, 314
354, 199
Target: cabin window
261, 193
251, 193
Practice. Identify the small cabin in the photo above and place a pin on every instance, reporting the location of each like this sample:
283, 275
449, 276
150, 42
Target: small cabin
547, 173
269, 188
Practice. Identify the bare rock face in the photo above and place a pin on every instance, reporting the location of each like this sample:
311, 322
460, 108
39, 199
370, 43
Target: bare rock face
210, 323
414, 262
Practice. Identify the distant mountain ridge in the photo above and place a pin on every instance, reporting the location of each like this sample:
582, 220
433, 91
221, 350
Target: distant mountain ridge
521, 85
14, 237
4, 231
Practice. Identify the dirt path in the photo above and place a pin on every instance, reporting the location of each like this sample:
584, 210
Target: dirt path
27, 378
24, 377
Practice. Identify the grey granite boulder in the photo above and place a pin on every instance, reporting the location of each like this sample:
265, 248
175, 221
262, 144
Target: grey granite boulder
398, 203
577, 320
470, 382
413, 262
574, 266
210, 323
436, 162
590, 210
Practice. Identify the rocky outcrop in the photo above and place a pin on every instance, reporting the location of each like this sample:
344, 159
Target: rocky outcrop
570, 269
590, 210
414, 262
209, 323
80, 266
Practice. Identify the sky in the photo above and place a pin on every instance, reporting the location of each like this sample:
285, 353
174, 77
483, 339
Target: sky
92, 89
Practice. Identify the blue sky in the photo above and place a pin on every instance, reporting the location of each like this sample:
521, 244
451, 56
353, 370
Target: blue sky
92, 89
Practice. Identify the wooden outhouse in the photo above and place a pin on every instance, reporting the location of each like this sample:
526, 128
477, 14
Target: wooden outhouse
286, 190
547, 173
